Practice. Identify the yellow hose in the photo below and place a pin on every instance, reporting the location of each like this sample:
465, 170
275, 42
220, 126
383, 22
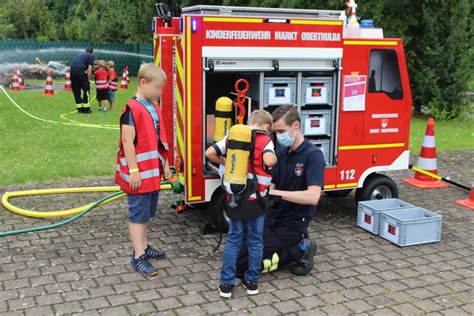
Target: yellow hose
62, 213
70, 123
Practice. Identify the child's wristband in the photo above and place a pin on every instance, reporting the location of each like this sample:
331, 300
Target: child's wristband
134, 170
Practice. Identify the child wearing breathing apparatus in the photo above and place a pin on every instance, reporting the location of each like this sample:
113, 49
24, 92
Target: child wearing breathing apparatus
249, 214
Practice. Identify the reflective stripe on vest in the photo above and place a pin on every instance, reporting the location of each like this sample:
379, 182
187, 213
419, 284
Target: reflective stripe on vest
143, 174
101, 84
113, 86
146, 156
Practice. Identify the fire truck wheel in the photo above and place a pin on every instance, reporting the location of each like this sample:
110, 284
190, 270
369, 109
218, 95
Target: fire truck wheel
377, 187
216, 211
338, 193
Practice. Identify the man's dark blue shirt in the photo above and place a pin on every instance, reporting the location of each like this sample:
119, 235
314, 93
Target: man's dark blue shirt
295, 171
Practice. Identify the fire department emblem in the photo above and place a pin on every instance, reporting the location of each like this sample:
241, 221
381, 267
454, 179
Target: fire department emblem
299, 169
384, 123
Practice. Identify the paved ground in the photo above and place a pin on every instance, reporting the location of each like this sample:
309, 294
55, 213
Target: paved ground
83, 267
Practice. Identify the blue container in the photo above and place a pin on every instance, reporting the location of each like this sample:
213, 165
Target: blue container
368, 212
410, 226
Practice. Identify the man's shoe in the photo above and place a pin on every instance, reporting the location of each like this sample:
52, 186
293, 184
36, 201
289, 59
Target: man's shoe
305, 264
154, 253
143, 266
252, 287
225, 290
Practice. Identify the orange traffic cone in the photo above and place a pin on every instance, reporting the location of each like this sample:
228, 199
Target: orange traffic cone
67, 82
126, 72
427, 161
20, 79
48, 89
124, 82
469, 202
15, 84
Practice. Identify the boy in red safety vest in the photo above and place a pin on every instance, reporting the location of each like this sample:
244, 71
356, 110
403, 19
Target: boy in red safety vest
112, 80
142, 160
101, 85
250, 211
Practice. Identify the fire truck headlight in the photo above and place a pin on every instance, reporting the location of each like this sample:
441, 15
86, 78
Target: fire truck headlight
193, 25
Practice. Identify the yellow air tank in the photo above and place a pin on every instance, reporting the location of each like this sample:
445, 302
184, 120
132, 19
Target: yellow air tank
237, 160
223, 117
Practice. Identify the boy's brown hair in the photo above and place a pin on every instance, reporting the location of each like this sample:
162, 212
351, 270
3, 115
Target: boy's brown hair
259, 118
288, 113
151, 72
110, 64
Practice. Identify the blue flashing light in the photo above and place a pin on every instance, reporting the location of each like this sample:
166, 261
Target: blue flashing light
367, 23
193, 25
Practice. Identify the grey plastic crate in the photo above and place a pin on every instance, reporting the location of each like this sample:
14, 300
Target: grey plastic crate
317, 90
323, 144
279, 91
316, 122
368, 212
410, 226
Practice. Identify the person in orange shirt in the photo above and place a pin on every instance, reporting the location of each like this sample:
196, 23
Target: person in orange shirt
112, 80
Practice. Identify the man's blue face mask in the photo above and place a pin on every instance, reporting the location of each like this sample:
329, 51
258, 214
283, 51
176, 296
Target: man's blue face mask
284, 139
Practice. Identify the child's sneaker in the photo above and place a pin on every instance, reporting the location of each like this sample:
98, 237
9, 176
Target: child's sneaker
143, 266
252, 287
225, 290
154, 253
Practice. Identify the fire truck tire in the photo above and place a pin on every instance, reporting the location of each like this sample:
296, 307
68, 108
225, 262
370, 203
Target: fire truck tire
338, 193
216, 211
377, 187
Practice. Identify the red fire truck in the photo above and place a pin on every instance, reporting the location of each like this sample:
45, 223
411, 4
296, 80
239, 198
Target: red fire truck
353, 93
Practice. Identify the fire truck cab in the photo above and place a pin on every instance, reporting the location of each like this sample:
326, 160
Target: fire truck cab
352, 93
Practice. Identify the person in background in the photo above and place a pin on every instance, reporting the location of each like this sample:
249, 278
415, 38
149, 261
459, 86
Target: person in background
112, 80
101, 85
81, 71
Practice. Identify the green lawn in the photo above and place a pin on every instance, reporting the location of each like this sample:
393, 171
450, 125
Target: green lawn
33, 151
37, 152
450, 135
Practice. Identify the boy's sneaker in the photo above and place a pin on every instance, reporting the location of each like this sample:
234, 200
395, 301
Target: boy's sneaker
154, 253
252, 287
225, 290
143, 266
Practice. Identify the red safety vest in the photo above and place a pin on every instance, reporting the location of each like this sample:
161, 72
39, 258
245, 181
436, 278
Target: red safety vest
101, 79
264, 178
111, 74
151, 151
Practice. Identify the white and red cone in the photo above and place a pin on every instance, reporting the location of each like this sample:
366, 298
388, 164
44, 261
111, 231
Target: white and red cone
48, 89
67, 82
20, 80
15, 84
427, 161
124, 82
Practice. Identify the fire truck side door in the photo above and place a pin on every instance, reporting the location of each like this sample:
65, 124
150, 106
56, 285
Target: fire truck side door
385, 108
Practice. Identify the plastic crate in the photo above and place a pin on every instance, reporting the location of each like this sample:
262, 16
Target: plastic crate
322, 144
316, 122
279, 91
317, 90
410, 226
368, 212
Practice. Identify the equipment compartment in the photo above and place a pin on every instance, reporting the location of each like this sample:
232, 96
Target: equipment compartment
279, 91
316, 90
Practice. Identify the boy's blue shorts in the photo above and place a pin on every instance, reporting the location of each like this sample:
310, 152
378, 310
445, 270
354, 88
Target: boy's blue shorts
111, 96
142, 207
